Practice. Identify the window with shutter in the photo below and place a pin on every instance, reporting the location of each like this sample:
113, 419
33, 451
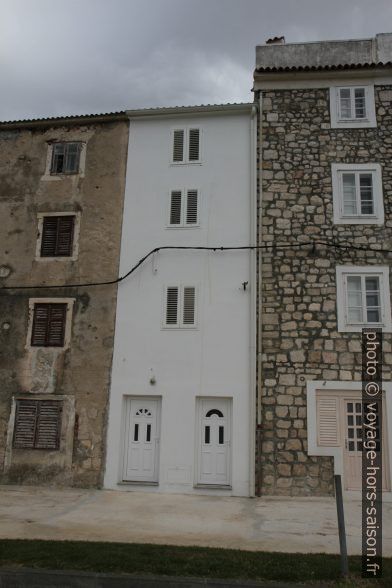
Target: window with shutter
178, 145
194, 144
180, 306
57, 236
37, 424
48, 328
327, 421
65, 158
184, 208
186, 145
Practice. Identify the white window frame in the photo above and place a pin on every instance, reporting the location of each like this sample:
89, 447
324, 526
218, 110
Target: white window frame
184, 207
68, 321
180, 307
353, 123
186, 130
382, 272
75, 243
339, 218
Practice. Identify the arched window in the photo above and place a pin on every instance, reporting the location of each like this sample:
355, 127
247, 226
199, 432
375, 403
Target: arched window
214, 411
143, 412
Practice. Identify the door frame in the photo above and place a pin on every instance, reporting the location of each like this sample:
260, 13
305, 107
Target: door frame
342, 389
198, 437
126, 402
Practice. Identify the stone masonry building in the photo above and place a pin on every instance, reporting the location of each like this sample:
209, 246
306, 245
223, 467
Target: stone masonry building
325, 202
61, 199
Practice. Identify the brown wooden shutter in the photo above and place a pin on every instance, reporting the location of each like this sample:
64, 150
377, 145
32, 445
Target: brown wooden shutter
25, 423
48, 427
178, 145
40, 324
57, 236
37, 424
56, 326
194, 144
48, 325
327, 421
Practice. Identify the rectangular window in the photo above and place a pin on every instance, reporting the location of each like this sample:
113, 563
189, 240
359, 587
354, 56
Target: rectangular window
186, 145
184, 208
352, 107
357, 194
180, 306
37, 424
363, 298
57, 236
65, 158
48, 328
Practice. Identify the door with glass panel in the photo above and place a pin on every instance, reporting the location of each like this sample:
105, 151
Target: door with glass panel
353, 445
141, 440
214, 432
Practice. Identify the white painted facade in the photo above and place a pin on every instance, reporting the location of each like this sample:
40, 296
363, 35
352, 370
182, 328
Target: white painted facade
182, 402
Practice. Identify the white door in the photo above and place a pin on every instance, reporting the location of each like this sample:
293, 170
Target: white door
214, 442
353, 446
141, 440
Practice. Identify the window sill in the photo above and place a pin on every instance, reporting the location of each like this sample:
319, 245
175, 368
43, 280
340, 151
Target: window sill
136, 483
359, 220
214, 486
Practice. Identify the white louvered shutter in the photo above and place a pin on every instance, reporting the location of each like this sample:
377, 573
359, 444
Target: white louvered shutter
194, 144
171, 318
175, 207
178, 145
191, 207
189, 305
327, 421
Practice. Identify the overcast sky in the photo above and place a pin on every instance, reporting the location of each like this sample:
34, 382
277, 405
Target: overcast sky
88, 56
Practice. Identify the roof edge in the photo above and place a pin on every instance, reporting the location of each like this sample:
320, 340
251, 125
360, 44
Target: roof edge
184, 110
81, 119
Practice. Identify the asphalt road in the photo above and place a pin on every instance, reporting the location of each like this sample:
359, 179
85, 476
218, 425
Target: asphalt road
25, 578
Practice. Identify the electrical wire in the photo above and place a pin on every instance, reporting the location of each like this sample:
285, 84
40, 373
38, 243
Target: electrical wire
267, 246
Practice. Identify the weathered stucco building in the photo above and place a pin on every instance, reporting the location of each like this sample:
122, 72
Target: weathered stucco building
61, 199
325, 153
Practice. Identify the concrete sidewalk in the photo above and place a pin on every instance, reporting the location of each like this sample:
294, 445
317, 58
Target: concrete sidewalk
307, 525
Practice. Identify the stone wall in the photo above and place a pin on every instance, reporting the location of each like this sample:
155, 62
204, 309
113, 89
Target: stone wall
299, 338
81, 373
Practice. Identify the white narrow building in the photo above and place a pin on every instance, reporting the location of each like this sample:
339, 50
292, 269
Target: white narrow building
182, 402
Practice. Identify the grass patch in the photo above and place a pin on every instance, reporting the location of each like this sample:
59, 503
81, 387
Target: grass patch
135, 558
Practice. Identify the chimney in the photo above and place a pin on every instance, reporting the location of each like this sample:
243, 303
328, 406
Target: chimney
276, 41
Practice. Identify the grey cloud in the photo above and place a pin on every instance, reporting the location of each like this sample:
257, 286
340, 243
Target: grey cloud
100, 55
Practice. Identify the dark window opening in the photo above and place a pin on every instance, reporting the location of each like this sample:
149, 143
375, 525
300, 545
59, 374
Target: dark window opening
206, 435
65, 158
